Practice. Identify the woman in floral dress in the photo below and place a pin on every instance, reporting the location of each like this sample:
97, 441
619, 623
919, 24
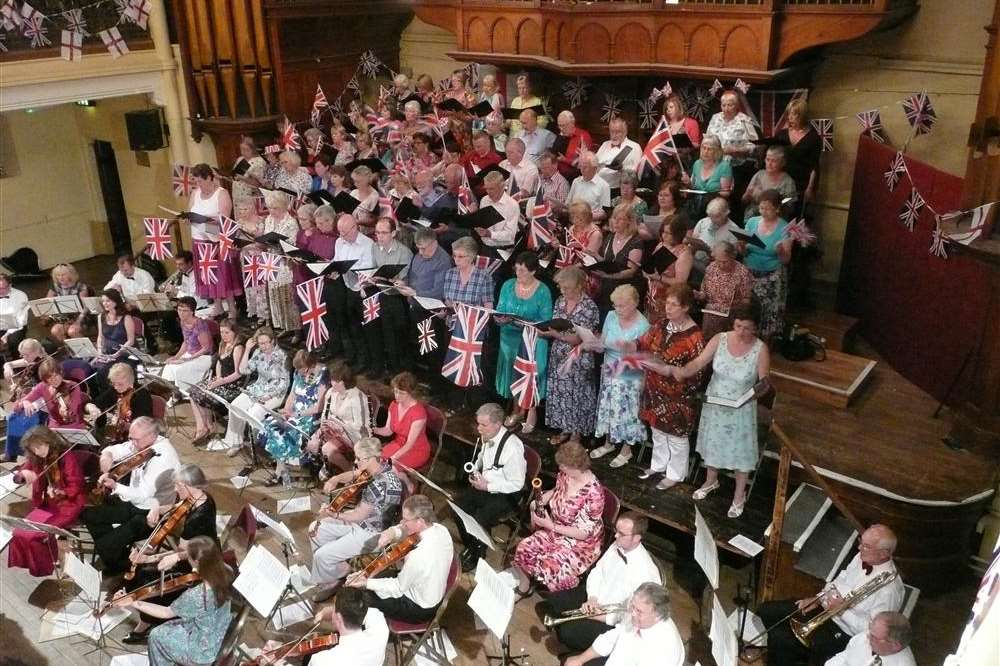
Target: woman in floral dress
284, 310
571, 405
569, 534
302, 408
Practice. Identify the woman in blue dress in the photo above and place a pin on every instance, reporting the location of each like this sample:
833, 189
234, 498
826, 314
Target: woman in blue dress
768, 264
197, 621
528, 299
727, 435
285, 442
710, 174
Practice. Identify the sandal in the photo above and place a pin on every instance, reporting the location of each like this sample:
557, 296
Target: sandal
704, 491
666, 484
736, 508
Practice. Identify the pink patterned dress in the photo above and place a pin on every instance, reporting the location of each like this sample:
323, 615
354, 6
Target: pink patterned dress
558, 561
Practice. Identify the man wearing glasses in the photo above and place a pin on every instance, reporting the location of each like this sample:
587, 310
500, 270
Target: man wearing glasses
336, 538
623, 568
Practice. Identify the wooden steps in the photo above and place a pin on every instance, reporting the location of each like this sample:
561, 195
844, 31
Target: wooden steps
834, 381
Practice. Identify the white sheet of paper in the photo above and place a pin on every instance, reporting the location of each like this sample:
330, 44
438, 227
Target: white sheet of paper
81, 347
705, 552
7, 485
130, 660
725, 649
5, 536
221, 521
217, 446
492, 600
295, 505
292, 613
84, 575
301, 578
428, 303
262, 579
77, 617
472, 527
240, 481
426, 481
752, 626
748, 546
280, 529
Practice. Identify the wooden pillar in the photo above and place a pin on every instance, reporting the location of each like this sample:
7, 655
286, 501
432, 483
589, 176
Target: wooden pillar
982, 173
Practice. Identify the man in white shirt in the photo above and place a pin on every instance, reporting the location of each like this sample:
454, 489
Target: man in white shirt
618, 139
646, 637
14, 311
363, 632
414, 595
536, 139
181, 283
589, 188
134, 507
503, 232
496, 481
621, 570
131, 280
523, 179
873, 559
710, 230
886, 643
344, 311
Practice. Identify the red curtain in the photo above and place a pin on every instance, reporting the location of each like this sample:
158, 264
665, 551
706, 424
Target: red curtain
922, 313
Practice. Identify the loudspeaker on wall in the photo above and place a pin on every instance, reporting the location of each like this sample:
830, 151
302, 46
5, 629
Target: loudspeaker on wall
145, 129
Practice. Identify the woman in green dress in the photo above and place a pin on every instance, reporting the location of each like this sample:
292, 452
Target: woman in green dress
527, 299
197, 621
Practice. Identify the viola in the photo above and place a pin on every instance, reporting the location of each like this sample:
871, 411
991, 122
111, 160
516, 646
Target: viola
125, 467
120, 420
301, 648
351, 493
391, 555
168, 525
152, 591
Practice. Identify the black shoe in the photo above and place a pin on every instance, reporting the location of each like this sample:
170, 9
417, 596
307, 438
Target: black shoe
136, 637
246, 470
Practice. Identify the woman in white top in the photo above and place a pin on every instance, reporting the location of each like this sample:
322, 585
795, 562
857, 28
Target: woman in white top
366, 194
212, 201
280, 297
292, 175
346, 418
245, 186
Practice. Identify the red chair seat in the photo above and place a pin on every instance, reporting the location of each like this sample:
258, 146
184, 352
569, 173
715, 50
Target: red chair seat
400, 627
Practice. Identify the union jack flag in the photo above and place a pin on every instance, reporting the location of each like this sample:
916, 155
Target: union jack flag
29, 13
871, 124
911, 209
461, 363
158, 237
319, 103
647, 112
611, 108
715, 87
371, 308
567, 256
370, 64
35, 30
800, 232
208, 263
425, 336
488, 264
465, 198
251, 268
742, 86
659, 146
138, 13
524, 388
311, 294
538, 213
268, 267
661, 93
920, 112
260, 207
972, 224
182, 180
896, 170
11, 17
938, 241
290, 138
824, 128
75, 21
227, 231
625, 363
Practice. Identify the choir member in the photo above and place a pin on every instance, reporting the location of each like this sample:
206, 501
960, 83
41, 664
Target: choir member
886, 642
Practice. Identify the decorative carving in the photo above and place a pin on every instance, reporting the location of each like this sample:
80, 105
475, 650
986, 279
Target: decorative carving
503, 37
529, 38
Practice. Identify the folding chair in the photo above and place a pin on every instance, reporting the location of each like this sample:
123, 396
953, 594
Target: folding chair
612, 505
514, 520
420, 634
437, 423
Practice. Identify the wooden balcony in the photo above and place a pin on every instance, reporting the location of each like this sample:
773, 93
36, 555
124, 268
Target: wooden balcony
749, 39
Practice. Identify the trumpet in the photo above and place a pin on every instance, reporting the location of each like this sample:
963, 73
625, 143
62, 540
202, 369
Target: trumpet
580, 614
470, 466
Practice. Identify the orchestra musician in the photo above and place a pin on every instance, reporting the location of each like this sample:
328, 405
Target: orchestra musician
14, 308
416, 592
23, 375
59, 398
646, 637
886, 642
190, 485
181, 283
123, 402
346, 418
337, 537
621, 570
197, 621
874, 557
134, 507
57, 498
495, 482
66, 282
361, 630
130, 280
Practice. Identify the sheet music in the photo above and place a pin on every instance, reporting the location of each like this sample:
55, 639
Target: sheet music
84, 575
77, 617
77, 437
428, 303
705, 552
5, 536
280, 529
748, 546
295, 505
129, 660
472, 527
92, 304
301, 578
293, 613
81, 348
240, 482
492, 601
726, 402
7, 485
725, 649
262, 579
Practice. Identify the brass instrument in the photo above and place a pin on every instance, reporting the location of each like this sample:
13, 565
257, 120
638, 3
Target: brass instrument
470, 466
803, 630
580, 614
536, 492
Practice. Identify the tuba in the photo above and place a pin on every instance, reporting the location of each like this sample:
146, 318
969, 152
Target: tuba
803, 630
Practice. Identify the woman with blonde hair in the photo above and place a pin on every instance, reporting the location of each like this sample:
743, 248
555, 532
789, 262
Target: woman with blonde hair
258, 310
245, 186
280, 296
623, 250
66, 282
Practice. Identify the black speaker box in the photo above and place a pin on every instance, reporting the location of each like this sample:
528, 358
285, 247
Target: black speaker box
145, 129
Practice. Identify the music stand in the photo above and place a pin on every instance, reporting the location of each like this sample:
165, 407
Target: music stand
146, 360
75, 437
81, 348
492, 600
256, 426
152, 302
56, 306
92, 304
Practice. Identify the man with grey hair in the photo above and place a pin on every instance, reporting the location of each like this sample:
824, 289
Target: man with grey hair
710, 230
886, 643
523, 179
536, 139
589, 188
496, 480
133, 507
647, 637
576, 141
503, 232
617, 141
344, 311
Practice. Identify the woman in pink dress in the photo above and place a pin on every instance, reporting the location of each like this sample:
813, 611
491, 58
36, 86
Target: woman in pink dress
211, 200
57, 498
60, 398
407, 425
569, 534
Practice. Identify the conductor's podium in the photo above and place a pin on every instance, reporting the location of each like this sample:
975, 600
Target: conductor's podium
835, 381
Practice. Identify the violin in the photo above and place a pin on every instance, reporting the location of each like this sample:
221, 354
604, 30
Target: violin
350, 494
306, 646
167, 526
390, 556
151, 591
121, 418
120, 470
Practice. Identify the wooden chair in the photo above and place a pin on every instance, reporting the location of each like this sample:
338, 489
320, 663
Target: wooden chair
420, 634
514, 520
244, 521
230, 653
612, 505
437, 424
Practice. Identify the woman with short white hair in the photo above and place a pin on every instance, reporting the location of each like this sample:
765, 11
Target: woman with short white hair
284, 311
292, 176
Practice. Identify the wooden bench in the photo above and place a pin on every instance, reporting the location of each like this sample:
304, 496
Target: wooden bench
836, 329
834, 381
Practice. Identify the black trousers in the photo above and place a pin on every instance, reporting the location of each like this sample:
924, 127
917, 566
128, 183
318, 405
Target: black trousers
389, 337
487, 508
112, 543
402, 609
577, 635
344, 322
783, 649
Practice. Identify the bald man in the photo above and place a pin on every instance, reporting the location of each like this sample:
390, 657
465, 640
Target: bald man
536, 139
344, 315
874, 557
887, 639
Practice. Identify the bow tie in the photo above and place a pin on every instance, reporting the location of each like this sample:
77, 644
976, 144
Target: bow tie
616, 145
129, 277
868, 568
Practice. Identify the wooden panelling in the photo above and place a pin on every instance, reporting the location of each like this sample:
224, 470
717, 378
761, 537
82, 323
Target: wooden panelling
478, 38
742, 49
706, 47
671, 45
552, 39
632, 44
503, 36
592, 43
529, 38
